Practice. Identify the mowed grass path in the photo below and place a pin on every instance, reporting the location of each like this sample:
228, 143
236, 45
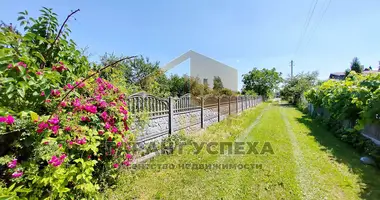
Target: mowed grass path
308, 163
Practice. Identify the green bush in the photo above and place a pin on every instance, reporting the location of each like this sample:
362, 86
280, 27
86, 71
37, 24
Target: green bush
355, 100
57, 141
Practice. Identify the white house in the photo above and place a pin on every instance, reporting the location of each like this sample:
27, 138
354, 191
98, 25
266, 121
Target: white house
206, 69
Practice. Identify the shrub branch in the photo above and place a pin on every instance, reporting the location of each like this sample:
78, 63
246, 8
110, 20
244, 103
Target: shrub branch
88, 77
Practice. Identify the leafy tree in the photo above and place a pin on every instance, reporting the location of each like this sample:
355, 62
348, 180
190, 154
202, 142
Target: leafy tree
262, 82
218, 84
137, 75
355, 65
295, 87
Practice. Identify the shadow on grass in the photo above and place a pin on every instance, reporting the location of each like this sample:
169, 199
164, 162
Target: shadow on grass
346, 154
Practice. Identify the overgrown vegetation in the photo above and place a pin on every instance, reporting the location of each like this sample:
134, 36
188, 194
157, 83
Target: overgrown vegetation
351, 104
61, 136
294, 88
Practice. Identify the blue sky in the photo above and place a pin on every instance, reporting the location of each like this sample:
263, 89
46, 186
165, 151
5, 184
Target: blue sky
243, 34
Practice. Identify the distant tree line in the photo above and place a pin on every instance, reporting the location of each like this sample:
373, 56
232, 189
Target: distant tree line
141, 74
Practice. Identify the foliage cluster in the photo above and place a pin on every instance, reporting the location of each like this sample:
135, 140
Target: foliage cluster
354, 101
295, 87
262, 82
60, 137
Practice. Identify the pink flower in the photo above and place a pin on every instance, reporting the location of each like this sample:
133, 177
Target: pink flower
114, 129
55, 129
22, 64
80, 84
55, 161
104, 115
107, 125
128, 156
126, 163
115, 165
109, 86
82, 141
102, 104
112, 151
112, 104
118, 144
42, 93
62, 157
99, 80
60, 145
55, 93
68, 86
90, 108
47, 100
46, 143
63, 104
39, 73
122, 110
59, 68
12, 164
8, 119
43, 125
67, 128
10, 65
76, 102
17, 174
53, 120
85, 119
71, 142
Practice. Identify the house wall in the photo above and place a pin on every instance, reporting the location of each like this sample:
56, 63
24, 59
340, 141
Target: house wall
204, 67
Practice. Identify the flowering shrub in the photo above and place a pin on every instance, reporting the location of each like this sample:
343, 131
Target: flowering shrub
53, 145
79, 149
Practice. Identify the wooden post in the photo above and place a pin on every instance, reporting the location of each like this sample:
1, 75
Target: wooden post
202, 112
229, 105
170, 115
218, 109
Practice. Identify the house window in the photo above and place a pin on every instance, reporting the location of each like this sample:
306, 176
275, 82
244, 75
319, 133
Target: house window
205, 81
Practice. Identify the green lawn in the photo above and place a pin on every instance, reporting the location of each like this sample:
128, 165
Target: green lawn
308, 163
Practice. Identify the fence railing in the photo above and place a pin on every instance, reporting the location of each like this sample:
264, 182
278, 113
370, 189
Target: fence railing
172, 107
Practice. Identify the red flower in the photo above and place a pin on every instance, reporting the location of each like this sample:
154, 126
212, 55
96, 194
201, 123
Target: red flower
116, 165
42, 93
